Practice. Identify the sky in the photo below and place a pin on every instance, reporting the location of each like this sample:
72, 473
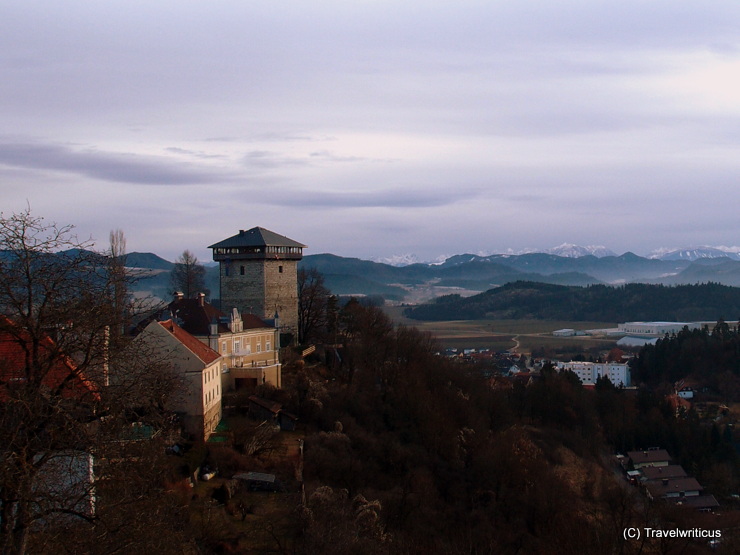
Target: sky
375, 128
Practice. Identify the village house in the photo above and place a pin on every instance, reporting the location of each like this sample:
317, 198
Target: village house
199, 405
662, 472
667, 488
249, 346
65, 482
60, 373
667, 482
650, 457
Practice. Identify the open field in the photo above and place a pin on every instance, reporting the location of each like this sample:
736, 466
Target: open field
502, 335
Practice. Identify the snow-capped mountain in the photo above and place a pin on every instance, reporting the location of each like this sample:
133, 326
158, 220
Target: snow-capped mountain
570, 250
567, 250
696, 253
401, 260
398, 260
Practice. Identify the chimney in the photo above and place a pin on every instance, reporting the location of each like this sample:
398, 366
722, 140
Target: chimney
178, 296
201, 299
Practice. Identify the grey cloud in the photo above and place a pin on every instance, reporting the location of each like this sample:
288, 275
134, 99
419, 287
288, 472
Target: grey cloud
266, 159
107, 166
194, 153
385, 198
328, 156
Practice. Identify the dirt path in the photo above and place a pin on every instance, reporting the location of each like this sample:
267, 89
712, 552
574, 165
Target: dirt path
515, 348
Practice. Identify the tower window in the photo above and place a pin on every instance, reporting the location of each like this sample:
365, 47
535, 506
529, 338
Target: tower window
280, 269
241, 270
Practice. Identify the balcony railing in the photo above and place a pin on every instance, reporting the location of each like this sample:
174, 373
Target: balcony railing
252, 363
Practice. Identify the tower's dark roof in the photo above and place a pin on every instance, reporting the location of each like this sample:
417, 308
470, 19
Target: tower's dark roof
257, 237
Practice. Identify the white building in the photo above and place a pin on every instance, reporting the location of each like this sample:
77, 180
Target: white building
655, 329
589, 372
199, 406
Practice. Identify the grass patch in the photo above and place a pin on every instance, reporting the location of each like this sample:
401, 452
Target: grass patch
499, 335
525, 336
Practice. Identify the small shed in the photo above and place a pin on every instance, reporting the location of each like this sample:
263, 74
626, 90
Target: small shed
259, 481
263, 409
287, 421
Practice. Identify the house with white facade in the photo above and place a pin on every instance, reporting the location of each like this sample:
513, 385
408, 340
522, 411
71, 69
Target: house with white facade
199, 366
589, 372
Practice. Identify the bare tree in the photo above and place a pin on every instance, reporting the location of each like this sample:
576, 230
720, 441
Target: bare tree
60, 301
189, 275
119, 279
312, 304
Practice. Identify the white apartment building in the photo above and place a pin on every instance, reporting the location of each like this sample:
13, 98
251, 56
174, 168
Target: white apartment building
588, 372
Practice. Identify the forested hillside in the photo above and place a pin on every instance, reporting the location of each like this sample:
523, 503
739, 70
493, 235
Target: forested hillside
602, 303
408, 452
708, 357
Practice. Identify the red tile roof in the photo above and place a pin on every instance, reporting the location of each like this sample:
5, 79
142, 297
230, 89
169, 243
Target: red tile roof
197, 347
62, 374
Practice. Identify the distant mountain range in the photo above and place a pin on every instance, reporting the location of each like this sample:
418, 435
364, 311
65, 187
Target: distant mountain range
569, 250
469, 273
153, 275
697, 253
414, 282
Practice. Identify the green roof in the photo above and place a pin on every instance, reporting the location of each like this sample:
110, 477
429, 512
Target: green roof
257, 237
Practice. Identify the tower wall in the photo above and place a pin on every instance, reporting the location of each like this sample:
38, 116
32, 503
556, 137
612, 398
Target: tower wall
245, 292
262, 288
281, 292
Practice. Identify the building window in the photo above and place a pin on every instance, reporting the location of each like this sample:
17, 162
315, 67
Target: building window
280, 269
241, 270
237, 346
223, 347
267, 345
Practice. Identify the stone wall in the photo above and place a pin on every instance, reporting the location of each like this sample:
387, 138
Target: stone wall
281, 292
264, 287
245, 292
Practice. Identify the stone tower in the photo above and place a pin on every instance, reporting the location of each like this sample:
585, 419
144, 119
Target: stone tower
259, 275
